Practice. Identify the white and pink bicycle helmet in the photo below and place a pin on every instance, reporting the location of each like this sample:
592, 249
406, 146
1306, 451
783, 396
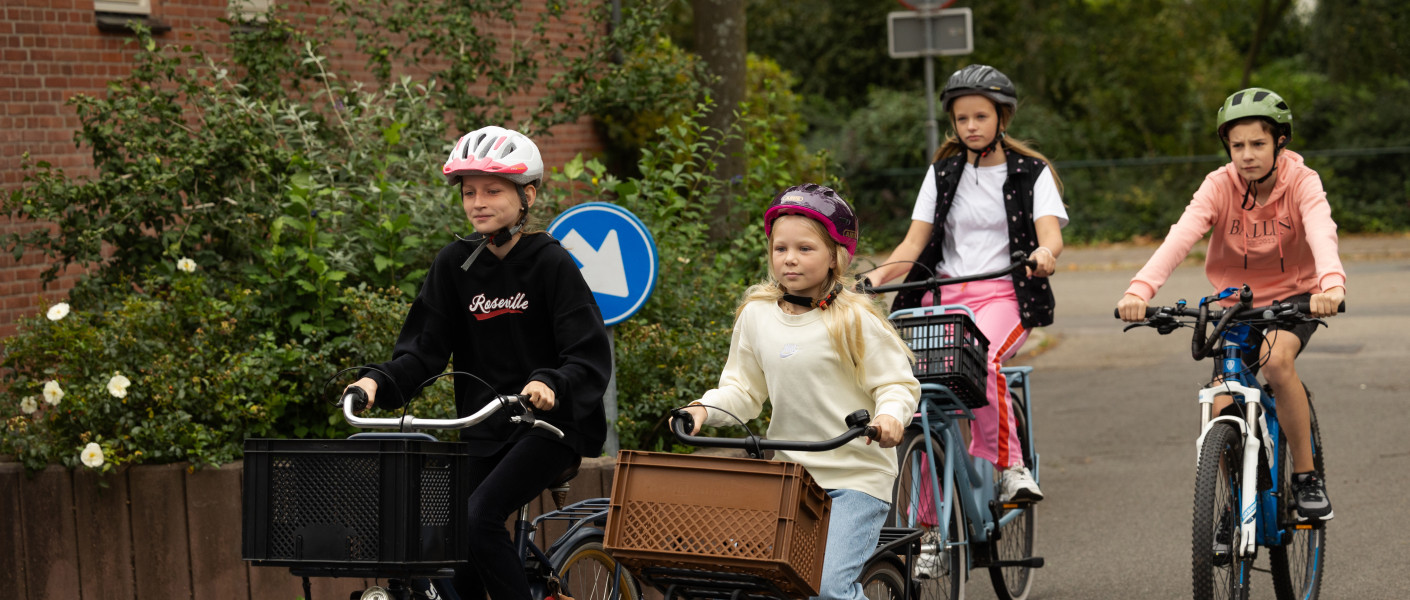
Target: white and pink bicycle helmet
495, 151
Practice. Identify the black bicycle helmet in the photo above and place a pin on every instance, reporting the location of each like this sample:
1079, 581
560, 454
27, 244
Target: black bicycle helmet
983, 80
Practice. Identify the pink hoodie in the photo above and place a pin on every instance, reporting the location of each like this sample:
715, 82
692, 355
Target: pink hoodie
1285, 247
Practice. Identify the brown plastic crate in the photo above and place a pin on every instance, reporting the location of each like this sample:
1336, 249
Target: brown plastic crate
716, 513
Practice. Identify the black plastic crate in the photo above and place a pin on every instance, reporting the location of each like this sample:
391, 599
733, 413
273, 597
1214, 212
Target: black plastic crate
356, 505
950, 350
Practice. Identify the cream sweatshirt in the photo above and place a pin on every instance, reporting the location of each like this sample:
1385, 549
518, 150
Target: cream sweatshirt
790, 361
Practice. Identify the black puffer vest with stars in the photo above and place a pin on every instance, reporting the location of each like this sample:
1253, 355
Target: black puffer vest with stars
1035, 296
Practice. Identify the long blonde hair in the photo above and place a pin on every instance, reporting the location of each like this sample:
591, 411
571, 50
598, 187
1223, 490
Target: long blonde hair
952, 145
844, 316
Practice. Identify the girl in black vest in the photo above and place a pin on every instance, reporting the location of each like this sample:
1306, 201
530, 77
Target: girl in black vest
993, 195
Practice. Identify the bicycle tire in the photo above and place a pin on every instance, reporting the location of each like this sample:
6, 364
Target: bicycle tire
1216, 498
585, 573
939, 572
1017, 537
1297, 566
882, 580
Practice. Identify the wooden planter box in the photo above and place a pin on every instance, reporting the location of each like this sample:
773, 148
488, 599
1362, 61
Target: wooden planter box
153, 531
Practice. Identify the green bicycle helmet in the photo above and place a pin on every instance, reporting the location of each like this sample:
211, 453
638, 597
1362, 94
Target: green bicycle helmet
1257, 102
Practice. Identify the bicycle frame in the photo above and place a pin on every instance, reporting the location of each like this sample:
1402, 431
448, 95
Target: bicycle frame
1259, 428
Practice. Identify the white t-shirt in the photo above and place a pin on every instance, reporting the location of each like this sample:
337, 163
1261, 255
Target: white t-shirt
976, 234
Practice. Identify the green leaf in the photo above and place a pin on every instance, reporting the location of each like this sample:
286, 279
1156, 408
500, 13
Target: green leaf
574, 169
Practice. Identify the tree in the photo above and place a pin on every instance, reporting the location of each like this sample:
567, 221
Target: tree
719, 40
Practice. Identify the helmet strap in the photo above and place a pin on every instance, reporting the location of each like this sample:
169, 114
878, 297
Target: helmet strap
808, 303
980, 154
1248, 204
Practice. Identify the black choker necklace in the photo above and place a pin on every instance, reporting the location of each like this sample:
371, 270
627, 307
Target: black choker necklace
809, 303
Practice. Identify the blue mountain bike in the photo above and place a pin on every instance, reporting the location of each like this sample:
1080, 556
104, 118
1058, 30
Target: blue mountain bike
1243, 480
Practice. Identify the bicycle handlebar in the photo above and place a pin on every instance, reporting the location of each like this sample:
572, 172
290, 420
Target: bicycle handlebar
1020, 260
354, 400
1166, 319
857, 424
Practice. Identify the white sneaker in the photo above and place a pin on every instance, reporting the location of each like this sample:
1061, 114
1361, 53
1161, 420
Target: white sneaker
1017, 485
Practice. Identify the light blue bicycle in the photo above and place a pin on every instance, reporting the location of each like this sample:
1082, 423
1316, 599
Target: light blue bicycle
968, 527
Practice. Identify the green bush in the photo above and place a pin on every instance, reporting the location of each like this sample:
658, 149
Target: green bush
202, 374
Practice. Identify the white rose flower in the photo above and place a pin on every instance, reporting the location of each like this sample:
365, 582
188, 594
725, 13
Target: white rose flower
28, 405
58, 311
187, 265
92, 455
53, 393
117, 386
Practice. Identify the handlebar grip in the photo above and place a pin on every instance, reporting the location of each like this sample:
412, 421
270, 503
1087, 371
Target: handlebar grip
357, 396
1151, 311
683, 423
1305, 306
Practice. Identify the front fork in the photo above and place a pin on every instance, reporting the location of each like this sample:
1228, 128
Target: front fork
1248, 492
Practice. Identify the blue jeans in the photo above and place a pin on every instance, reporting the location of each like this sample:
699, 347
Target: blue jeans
852, 534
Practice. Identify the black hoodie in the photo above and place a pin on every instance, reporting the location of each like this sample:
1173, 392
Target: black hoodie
529, 316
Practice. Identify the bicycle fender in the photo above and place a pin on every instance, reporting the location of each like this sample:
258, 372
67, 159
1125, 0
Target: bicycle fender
572, 538
1235, 421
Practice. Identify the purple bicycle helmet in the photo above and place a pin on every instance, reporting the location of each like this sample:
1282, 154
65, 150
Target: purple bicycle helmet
821, 204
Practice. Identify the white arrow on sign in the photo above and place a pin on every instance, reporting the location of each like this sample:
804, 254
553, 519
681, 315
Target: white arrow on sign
602, 267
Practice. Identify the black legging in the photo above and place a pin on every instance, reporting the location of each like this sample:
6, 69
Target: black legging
500, 485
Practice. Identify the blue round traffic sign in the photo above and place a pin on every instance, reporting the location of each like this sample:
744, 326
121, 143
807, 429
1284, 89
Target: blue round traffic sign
615, 252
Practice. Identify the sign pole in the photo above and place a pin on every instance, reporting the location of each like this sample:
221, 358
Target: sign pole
609, 398
927, 32
932, 127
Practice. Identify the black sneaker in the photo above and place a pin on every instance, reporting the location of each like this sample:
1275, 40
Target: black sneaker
1310, 500
1223, 538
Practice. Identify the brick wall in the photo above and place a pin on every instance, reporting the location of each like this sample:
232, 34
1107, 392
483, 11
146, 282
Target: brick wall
51, 50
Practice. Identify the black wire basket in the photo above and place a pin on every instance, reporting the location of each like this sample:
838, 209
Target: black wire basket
370, 506
951, 351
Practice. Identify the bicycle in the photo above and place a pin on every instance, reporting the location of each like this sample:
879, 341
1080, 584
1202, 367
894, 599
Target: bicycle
883, 577
410, 532
969, 528
1243, 473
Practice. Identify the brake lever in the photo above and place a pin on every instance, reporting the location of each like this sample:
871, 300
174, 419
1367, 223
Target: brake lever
1133, 326
1168, 327
527, 417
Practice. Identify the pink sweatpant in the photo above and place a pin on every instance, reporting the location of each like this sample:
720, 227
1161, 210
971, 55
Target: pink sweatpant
994, 431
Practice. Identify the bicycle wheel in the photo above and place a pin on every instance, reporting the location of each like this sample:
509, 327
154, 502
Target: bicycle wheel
585, 573
1217, 484
1297, 566
1016, 537
939, 569
882, 581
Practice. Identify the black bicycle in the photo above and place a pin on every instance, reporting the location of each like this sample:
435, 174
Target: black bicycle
388, 506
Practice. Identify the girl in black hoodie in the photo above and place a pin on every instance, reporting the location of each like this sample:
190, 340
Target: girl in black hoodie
521, 317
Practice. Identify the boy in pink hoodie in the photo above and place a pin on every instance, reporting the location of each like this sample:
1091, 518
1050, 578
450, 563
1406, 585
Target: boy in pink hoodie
1272, 229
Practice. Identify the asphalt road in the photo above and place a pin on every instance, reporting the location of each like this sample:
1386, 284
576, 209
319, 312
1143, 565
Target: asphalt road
1116, 423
